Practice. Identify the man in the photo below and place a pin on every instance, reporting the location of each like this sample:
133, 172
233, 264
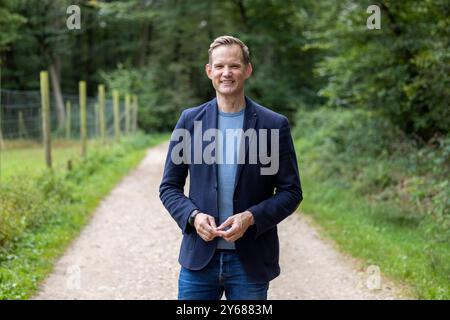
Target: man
229, 221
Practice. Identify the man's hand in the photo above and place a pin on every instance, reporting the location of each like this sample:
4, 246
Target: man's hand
239, 224
205, 226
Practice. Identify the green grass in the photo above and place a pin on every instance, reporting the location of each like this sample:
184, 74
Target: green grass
28, 157
25, 263
376, 232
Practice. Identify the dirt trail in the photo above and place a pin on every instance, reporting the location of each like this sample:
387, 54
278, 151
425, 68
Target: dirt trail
129, 250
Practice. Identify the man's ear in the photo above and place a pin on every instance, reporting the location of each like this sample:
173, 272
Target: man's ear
208, 70
248, 70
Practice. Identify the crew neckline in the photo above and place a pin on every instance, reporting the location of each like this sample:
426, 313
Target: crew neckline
231, 114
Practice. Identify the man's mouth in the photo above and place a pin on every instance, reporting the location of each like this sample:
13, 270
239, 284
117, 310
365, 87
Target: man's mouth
227, 82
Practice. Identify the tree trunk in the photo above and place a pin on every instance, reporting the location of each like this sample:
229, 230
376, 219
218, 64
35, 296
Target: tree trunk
2, 145
146, 30
243, 13
56, 85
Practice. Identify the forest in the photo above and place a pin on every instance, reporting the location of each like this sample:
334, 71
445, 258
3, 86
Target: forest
364, 84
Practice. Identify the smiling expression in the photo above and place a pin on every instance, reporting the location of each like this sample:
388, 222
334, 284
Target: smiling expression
227, 70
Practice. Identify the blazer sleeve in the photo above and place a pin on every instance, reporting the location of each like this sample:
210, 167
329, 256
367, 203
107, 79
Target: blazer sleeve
171, 189
288, 191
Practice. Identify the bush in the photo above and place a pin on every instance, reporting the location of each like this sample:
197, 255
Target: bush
372, 155
25, 203
28, 202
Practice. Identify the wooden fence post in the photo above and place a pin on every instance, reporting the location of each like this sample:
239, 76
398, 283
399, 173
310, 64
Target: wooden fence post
83, 117
116, 115
22, 128
101, 110
45, 103
135, 113
96, 120
127, 113
68, 120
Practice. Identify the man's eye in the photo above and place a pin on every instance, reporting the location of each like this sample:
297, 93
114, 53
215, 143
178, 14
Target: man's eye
218, 66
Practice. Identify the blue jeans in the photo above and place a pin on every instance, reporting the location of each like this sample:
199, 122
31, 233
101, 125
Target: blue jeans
224, 273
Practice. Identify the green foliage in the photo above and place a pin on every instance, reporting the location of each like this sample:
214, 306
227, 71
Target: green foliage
372, 233
27, 202
400, 70
372, 154
159, 108
16, 215
9, 25
44, 214
382, 196
306, 53
158, 50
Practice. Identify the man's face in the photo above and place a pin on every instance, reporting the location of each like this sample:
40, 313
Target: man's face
227, 70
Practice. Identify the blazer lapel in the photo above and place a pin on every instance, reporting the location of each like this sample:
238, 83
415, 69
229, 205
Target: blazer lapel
250, 118
211, 123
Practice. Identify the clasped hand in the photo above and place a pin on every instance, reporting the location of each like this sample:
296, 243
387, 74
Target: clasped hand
206, 228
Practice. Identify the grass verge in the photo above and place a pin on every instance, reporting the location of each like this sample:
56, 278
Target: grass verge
28, 257
382, 199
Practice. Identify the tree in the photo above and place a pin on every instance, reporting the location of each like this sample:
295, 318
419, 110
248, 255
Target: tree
9, 24
400, 71
45, 36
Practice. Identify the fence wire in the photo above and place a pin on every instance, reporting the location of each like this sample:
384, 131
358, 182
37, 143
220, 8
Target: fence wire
21, 116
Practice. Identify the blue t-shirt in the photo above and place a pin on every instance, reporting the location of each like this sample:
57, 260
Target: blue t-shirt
226, 168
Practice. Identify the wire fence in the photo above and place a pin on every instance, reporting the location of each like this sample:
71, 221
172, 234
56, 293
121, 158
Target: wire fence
21, 116
25, 146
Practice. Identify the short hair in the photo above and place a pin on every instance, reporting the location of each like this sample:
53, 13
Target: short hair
228, 41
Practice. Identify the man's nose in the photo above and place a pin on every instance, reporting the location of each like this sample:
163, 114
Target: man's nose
227, 71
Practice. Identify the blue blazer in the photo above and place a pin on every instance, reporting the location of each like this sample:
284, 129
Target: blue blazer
271, 198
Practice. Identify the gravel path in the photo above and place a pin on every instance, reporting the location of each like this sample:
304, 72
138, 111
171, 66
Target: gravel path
129, 250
